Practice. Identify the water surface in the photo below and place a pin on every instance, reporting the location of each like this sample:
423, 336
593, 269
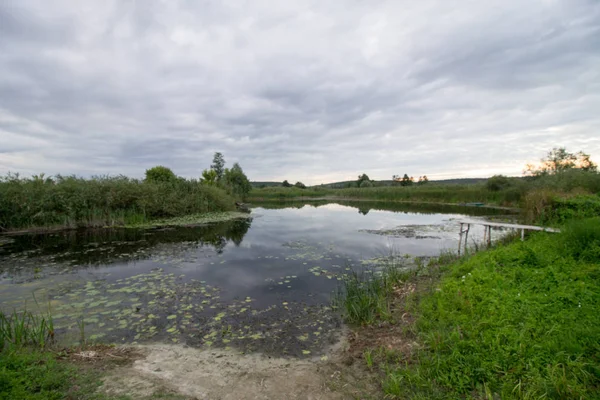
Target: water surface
259, 284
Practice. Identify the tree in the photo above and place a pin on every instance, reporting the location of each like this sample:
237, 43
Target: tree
218, 165
497, 183
236, 182
286, 184
209, 177
362, 178
365, 183
559, 160
160, 174
300, 185
406, 180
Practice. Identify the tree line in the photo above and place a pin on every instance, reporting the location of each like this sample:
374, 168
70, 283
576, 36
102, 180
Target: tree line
233, 180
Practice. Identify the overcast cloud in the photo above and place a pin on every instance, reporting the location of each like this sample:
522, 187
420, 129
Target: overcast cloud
314, 91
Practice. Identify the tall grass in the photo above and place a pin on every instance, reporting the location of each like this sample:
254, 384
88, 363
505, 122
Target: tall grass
20, 329
511, 194
366, 296
72, 202
548, 207
424, 193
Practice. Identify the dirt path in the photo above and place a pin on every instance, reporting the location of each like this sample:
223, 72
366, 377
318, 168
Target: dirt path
227, 375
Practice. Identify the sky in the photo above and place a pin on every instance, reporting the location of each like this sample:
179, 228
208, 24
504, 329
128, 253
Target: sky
312, 91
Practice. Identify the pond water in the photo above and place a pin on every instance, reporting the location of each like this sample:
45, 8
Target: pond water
261, 284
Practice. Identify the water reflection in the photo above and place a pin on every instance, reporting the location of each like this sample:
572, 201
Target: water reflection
107, 246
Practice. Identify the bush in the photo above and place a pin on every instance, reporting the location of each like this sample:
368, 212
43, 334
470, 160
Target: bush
581, 239
160, 174
497, 183
102, 201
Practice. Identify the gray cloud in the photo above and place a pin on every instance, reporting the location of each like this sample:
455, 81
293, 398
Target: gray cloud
307, 90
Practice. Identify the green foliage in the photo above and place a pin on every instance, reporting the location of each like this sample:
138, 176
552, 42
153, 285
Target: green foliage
21, 329
218, 165
366, 297
549, 207
406, 180
567, 181
32, 375
286, 184
497, 183
209, 177
236, 182
516, 322
160, 174
581, 239
300, 185
365, 184
423, 180
362, 180
69, 202
416, 193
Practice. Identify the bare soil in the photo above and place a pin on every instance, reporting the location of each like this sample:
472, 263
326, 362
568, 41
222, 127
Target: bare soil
228, 375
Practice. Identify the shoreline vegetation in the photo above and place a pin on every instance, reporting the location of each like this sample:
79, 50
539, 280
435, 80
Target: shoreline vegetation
41, 203
516, 321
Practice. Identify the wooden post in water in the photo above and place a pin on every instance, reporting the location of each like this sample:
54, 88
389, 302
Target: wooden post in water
489, 236
467, 237
522, 234
460, 232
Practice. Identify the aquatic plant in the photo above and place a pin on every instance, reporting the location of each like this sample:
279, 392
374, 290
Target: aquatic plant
19, 329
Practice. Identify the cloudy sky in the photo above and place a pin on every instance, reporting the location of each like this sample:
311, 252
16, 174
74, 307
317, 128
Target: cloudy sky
314, 91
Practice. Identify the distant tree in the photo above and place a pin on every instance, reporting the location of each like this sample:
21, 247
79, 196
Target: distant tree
209, 177
497, 183
559, 160
286, 184
218, 165
160, 174
406, 180
423, 180
300, 185
365, 183
236, 182
362, 178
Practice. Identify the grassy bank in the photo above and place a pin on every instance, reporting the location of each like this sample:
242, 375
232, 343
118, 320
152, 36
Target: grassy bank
70, 202
33, 368
518, 321
425, 193
509, 192
28, 370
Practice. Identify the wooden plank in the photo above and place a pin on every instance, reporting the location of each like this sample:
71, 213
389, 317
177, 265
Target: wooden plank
513, 226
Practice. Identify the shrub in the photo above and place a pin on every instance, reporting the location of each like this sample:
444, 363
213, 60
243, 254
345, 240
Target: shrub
581, 239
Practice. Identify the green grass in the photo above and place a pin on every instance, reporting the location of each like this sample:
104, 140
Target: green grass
71, 202
416, 193
30, 370
20, 329
519, 321
365, 297
512, 193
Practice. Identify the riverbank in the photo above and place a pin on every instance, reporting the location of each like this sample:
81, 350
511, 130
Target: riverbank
38, 203
185, 221
517, 321
440, 194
